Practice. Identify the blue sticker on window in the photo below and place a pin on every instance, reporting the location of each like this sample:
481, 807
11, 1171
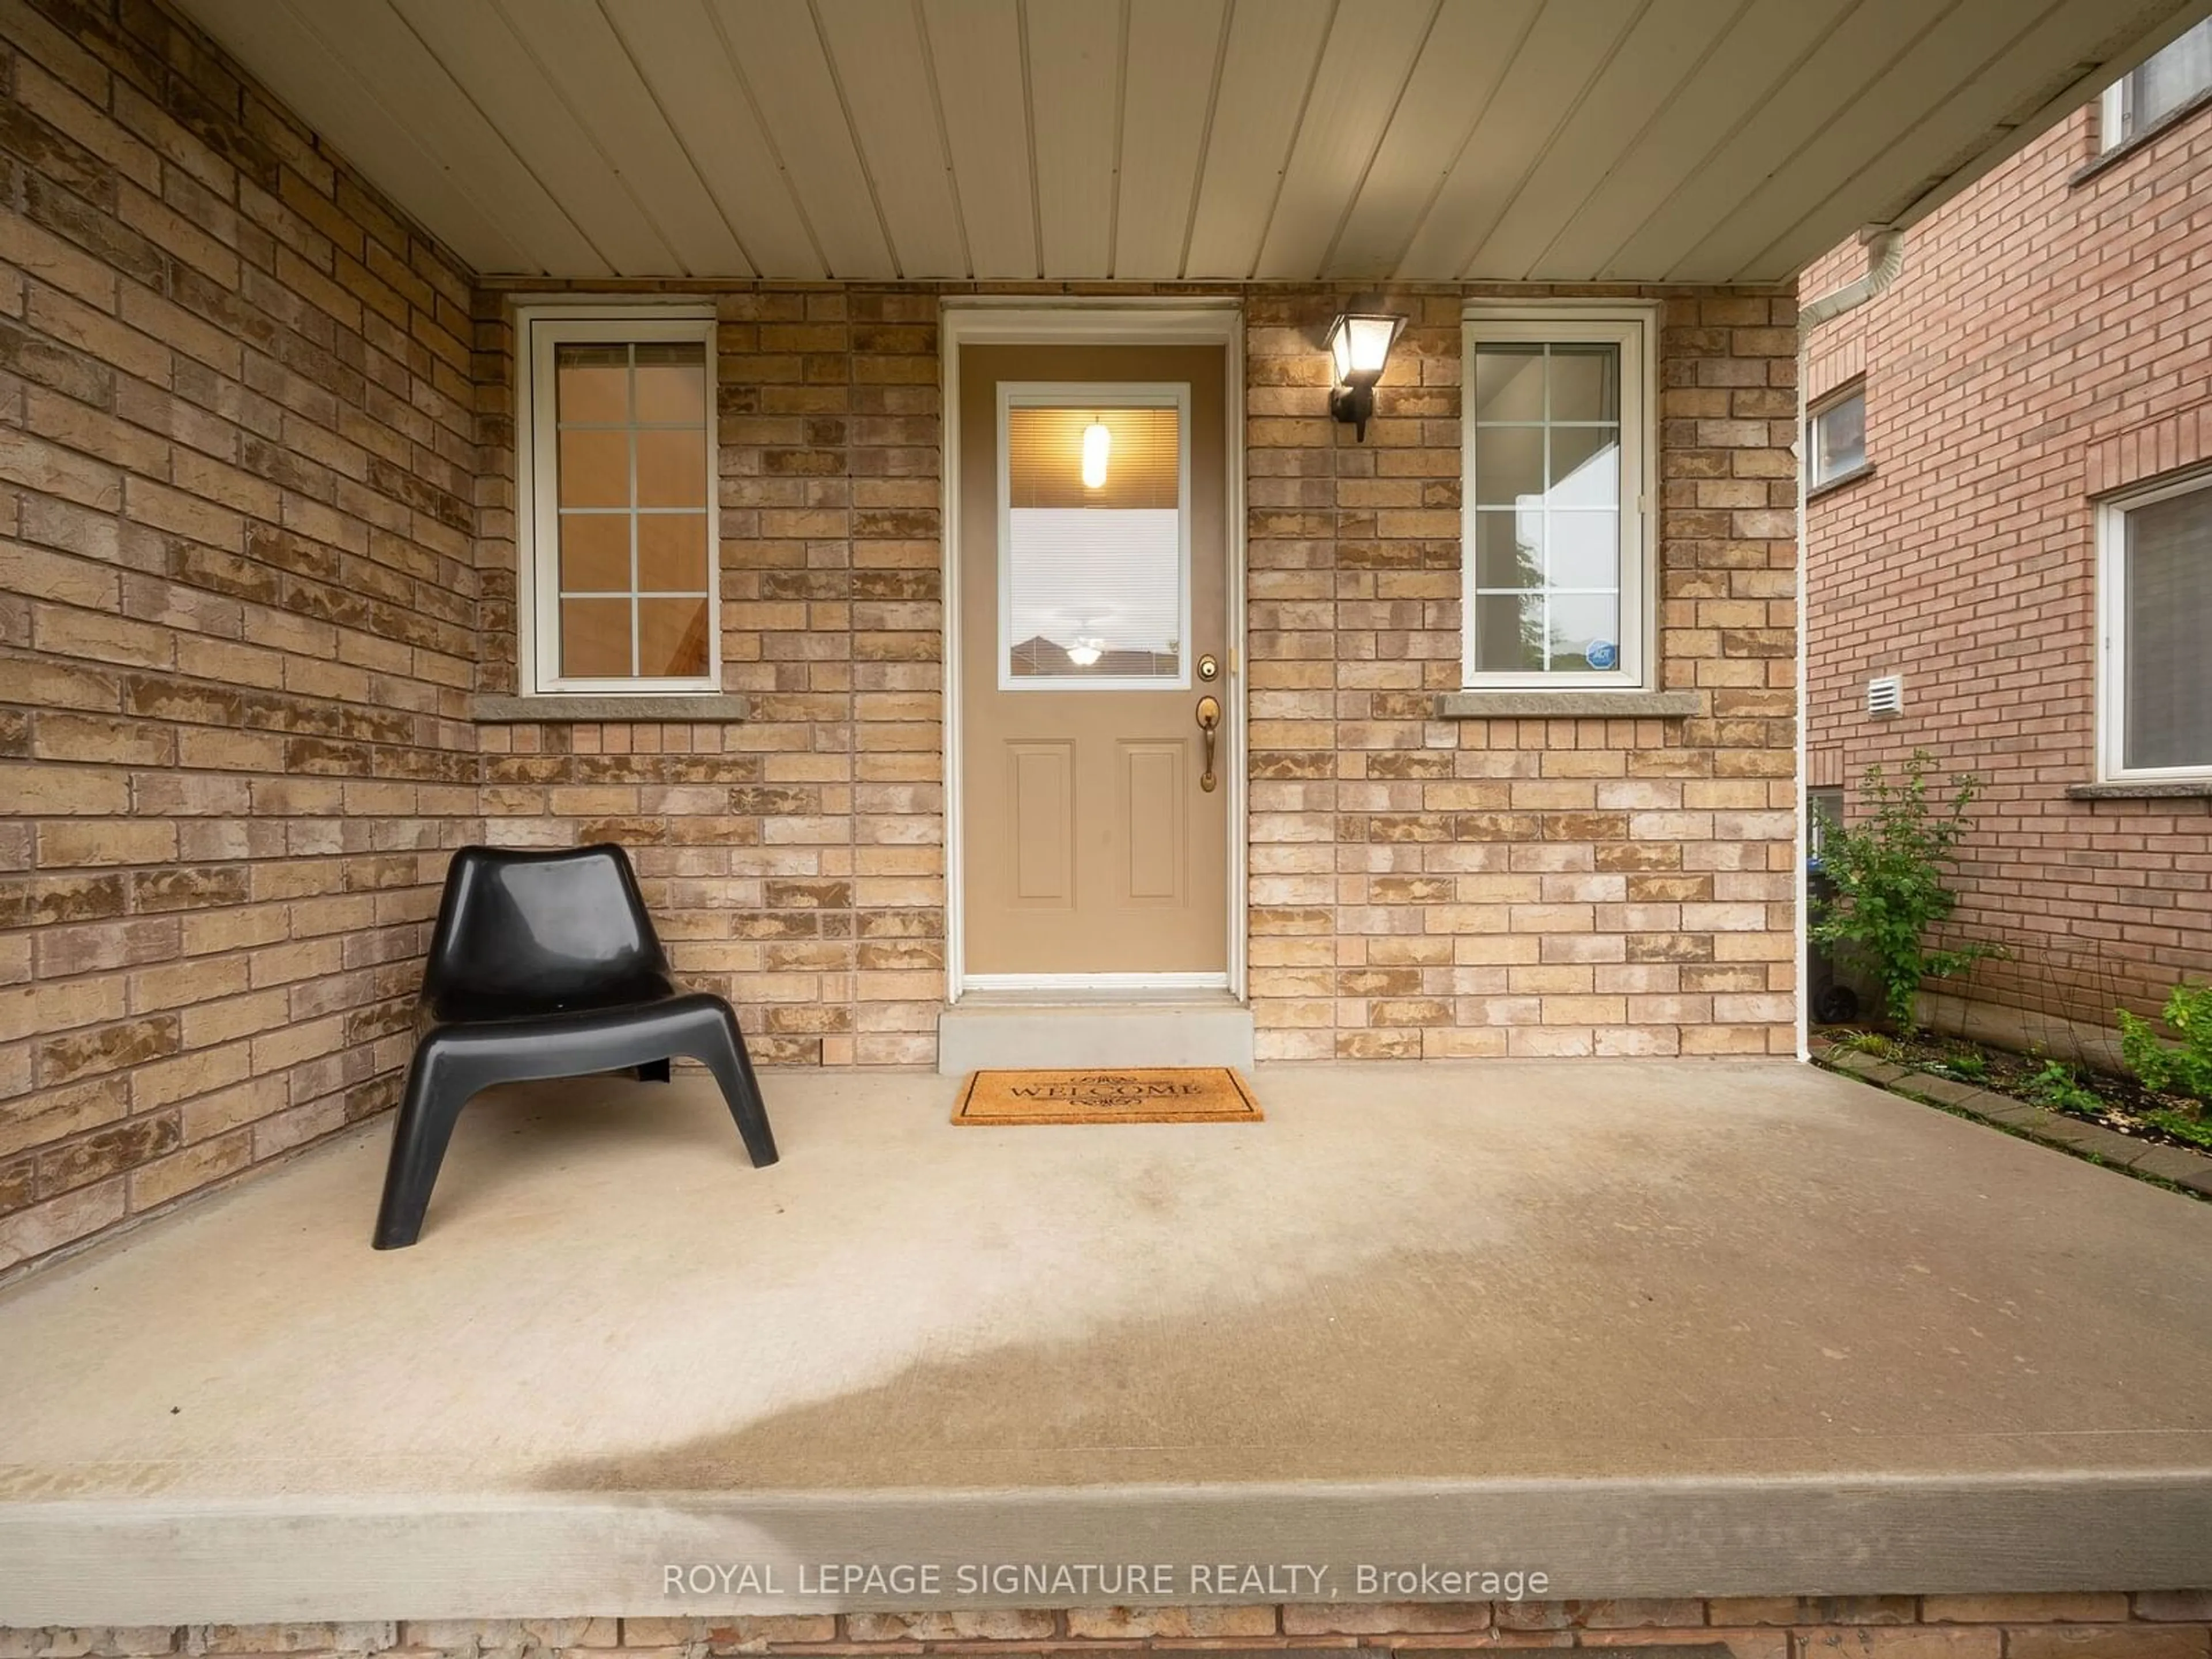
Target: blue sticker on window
1603, 653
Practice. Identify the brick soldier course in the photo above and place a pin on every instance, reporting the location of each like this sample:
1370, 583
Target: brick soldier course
2174, 1625
2039, 350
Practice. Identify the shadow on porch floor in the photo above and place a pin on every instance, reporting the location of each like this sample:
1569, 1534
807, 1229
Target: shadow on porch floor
1653, 1328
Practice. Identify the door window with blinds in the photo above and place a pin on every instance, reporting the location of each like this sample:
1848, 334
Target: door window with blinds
1557, 594
1094, 529
619, 504
2155, 599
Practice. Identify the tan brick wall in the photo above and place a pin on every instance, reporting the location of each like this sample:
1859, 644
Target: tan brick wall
2150, 1624
1428, 888
236, 622
2036, 350
794, 861
1419, 887
257, 551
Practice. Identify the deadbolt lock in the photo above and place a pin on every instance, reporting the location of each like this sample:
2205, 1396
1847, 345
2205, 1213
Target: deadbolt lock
1209, 668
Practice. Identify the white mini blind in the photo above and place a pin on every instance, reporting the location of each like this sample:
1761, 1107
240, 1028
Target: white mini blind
1045, 458
2168, 704
1114, 579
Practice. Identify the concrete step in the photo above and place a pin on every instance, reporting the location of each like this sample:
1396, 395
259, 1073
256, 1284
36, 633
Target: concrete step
995, 1032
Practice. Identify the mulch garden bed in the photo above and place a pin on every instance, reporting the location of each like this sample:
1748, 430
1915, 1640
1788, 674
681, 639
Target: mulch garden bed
2118, 1104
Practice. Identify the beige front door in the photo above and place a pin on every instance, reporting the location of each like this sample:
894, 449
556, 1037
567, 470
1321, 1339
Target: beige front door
1093, 596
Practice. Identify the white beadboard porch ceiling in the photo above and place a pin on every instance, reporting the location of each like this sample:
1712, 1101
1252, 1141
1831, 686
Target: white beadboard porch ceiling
1151, 140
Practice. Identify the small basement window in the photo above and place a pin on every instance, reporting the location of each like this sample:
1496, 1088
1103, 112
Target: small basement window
2154, 604
615, 432
2165, 84
1835, 437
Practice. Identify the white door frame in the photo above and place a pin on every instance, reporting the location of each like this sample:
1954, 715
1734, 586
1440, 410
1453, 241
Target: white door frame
980, 320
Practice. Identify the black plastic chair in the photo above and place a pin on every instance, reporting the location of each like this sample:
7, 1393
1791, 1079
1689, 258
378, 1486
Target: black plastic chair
544, 965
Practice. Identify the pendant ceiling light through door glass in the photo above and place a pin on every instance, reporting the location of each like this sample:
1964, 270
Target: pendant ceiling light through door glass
1096, 442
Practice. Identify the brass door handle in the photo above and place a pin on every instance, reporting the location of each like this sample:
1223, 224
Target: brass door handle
1209, 721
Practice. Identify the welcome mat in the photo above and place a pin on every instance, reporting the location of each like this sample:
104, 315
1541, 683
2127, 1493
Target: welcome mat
1165, 1094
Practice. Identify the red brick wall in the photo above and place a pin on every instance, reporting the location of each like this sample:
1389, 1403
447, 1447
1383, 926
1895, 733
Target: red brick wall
2045, 344
237, 622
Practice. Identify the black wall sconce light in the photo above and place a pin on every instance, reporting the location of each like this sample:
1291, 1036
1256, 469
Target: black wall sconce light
1359, 342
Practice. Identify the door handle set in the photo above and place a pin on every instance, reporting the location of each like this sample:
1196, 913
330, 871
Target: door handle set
1209, 722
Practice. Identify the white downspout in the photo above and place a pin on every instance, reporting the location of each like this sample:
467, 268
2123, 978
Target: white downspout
1885, 256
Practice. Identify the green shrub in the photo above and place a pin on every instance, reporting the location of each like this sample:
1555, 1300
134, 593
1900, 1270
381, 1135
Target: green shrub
2186, 1070
2056, 1086
2181, 1125
1888, 872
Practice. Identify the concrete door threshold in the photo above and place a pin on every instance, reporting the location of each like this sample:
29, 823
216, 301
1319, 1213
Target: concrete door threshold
1006, 1030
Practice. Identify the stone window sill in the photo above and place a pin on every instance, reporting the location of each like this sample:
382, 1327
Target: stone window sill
1567, 705
704, 708
2147, 789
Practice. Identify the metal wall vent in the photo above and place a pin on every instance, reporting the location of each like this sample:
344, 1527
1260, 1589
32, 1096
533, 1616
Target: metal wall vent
1886, 695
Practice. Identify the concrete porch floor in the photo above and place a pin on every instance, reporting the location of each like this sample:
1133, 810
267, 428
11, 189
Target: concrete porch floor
1651, 1328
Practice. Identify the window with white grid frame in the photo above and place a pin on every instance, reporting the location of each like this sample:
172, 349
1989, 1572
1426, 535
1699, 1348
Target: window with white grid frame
2154, 604
1558, 431
619, 507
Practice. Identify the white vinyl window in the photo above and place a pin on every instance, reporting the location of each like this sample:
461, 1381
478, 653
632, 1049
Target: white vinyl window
615, 426
2162, 86
1835, 437
1560, 432
2154, 604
